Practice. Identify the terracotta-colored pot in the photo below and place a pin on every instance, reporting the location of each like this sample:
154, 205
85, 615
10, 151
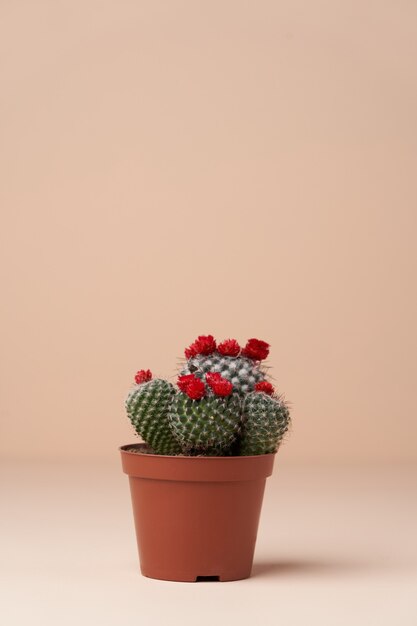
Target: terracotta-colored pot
196, 518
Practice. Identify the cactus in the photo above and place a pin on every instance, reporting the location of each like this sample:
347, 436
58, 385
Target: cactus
224, 404
266, 421
242, 372
147, 407
206, 426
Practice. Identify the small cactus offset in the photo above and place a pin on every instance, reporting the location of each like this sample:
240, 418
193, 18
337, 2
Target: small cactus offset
147, 407
266, 421
223, 405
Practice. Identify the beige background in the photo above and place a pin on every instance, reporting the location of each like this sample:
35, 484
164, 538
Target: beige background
177, 168
242, 168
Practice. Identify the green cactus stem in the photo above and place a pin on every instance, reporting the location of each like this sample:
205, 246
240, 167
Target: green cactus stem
207, 426
265, 421
147, 407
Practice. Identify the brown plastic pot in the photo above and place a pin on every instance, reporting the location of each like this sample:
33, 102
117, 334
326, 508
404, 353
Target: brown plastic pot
196, 518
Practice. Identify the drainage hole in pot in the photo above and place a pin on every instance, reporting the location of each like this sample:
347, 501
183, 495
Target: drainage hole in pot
207, 579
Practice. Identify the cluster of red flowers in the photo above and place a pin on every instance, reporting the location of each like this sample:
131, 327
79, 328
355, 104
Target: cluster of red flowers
195, 388
206, 344
143, 376
192, 386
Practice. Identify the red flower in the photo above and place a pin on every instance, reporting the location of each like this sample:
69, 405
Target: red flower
213, 377
229, 347
265, 387
256, 349
204, 344
143, 376
192, 386
184, 381
195, 389
191, 351
218, 384
223, 388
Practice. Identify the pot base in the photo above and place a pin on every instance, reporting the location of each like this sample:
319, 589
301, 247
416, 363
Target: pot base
187, 578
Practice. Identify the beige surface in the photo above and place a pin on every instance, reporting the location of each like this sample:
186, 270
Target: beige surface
334, 548
177, 168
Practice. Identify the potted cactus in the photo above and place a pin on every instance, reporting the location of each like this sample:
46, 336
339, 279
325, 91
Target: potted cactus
197, 481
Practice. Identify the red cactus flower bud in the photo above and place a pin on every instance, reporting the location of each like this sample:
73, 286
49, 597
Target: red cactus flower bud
265, 387
219, 385
195, 389
229, 347
204, 344
256, 349
143, 376
184, 381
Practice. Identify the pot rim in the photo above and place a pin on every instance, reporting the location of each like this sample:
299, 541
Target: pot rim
196, 468
186, 456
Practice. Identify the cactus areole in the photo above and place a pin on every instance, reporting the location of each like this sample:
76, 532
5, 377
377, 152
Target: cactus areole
209, 443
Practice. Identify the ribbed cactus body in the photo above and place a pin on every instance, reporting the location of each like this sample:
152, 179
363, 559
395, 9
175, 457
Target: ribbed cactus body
147, 407
223, 403
242, 372
265, 421
209, 425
